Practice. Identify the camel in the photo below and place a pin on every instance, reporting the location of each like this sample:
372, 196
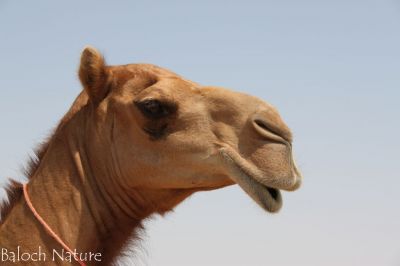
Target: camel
137, 141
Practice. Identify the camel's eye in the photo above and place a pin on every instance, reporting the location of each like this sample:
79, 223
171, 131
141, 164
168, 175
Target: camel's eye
155, 109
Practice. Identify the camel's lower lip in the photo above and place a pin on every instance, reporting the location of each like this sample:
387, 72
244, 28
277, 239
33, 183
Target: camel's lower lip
270, 199
274, 204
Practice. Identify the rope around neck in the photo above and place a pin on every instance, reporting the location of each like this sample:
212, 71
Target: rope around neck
47, 227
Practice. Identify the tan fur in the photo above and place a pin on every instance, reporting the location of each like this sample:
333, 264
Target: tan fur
109, 165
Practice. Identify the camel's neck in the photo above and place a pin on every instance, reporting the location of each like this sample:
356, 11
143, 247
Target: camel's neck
78, 191
79, 201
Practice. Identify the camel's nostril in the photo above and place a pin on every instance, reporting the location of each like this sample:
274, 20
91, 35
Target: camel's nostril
261, 124
271, 128
268, 131
268, 122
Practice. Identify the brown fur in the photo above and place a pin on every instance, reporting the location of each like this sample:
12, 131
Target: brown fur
137, 141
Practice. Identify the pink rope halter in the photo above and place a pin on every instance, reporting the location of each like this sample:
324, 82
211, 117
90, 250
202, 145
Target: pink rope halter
47, 227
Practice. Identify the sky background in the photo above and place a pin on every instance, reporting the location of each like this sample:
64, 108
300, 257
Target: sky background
331, 67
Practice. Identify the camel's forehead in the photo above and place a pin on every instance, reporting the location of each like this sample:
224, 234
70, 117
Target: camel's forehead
151, 69
144, 71
147, 75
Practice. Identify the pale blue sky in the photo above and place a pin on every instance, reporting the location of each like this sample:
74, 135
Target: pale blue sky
331, 67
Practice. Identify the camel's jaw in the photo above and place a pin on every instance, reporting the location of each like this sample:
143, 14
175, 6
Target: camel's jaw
268, 198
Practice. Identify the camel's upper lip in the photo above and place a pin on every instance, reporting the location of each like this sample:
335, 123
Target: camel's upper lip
267, 197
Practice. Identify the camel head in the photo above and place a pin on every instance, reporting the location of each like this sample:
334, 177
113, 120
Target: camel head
166, 133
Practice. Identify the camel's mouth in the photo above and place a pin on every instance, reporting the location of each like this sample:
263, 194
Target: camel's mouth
270, 199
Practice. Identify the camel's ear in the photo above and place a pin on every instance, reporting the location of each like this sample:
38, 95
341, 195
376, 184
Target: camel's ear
93, 74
